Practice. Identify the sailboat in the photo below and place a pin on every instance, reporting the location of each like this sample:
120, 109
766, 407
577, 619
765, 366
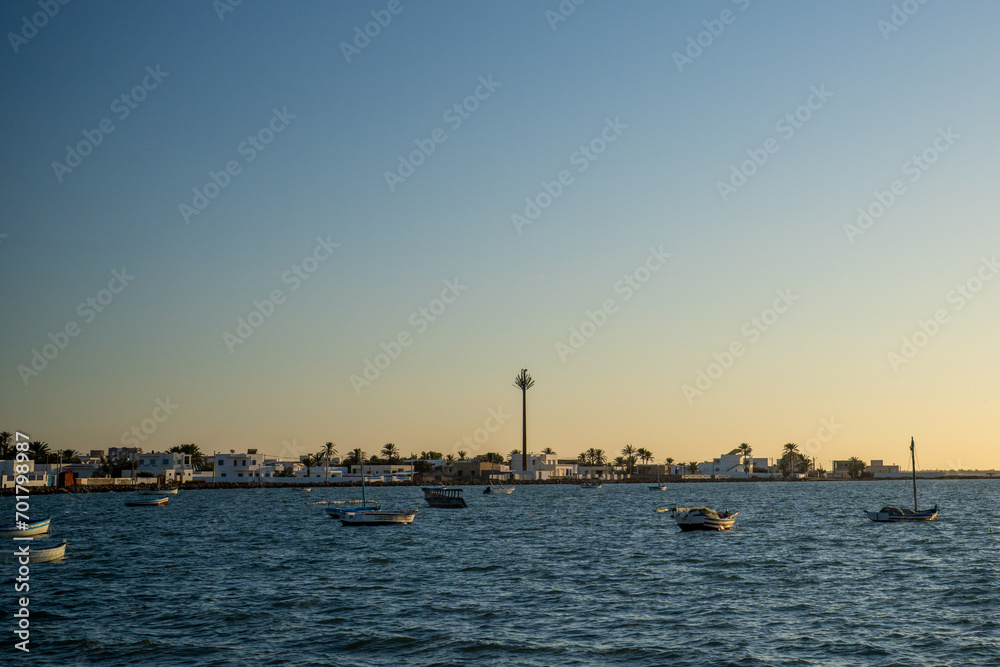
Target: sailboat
373, 517
659, 486
891, 513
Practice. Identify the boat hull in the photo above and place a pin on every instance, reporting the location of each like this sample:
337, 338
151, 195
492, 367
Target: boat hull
889, 517
36, 555
30, 529
377, 518
444, 497
153, 502
701, 518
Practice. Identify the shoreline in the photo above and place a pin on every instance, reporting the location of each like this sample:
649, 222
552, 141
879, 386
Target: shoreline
212, 486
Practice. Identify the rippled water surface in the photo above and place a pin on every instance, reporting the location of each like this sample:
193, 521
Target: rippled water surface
551, 575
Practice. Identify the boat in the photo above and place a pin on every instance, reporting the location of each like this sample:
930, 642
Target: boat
373, 517
161, 492
659, 486
26, 528
152, 502
350, 506
893, 514
443, 496
498, 487
377, 518
590, 485
703, 518
35, 555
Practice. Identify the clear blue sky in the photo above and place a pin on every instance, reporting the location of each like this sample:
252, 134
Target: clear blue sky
609, 67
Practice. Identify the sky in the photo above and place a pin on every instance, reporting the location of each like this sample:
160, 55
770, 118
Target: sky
273, 225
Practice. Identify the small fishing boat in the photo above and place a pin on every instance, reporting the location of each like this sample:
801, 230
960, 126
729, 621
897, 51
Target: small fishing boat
35, 555
590, 485
498, 488
703, 518
443, 496
26, 528
161, 492
893, 514
152, 502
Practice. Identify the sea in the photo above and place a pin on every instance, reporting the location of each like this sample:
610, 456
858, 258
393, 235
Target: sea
550, 575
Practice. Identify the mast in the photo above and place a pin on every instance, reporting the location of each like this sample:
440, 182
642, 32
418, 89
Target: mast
361, 460
913, 460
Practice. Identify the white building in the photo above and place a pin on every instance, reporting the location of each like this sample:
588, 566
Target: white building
174, 466
542, 466
238, 468
735, 466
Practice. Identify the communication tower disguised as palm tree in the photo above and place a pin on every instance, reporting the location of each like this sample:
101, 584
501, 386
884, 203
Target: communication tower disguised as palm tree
524, 382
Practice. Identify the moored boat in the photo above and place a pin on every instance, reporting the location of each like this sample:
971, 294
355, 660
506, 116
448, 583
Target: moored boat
47, 555
703, 518
377, 518
498, 487
893, 514
26, 529
590, 485
152, 502
160, 492
443, 496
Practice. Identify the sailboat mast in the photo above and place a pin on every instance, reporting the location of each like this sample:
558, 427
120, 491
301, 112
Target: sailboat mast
913, 460
361, 460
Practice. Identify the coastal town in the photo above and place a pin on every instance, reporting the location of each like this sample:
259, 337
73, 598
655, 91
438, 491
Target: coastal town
188, 464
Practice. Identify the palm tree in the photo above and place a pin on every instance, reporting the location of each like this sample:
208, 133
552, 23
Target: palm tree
855, 467
669, 461
513, 453
582, 459
450, 457
7, 447
628, 451
461, 454
69, 456
524, 382
38, 451
328, 452
644, 455
192, 450
599, 457
692, 467
548, 450
619, 464
390, 452
310, 462
746, 450
790, 457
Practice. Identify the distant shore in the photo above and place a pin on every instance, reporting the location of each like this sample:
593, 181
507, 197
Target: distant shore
209, 486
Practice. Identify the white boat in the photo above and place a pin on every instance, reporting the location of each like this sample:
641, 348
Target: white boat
152, 502
35, 555
893, 514
26, 529
703, 518
161, 492
498, 488
373, 517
